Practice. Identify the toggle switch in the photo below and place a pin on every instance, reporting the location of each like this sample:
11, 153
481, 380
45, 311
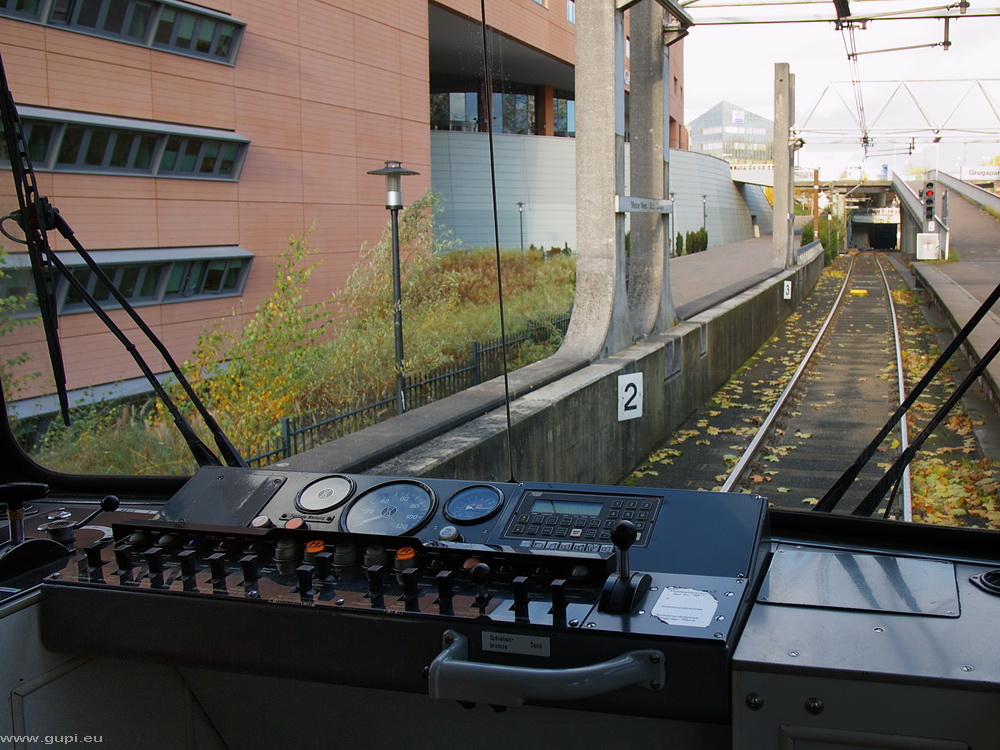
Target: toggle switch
375, 584
445, 593
93, 555
217, 564
305, 575
124, 561
557, 591
480, 575
520, 587
411, 593
189, 569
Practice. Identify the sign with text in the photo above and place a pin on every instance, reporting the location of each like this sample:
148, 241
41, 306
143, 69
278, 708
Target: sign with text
981, 174
628, 204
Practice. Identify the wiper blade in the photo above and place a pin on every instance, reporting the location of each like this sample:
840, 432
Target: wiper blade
201, 452
34, 237
37, 216
228, 451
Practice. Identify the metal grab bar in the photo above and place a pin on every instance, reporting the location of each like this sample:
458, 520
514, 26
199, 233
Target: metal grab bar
453, 676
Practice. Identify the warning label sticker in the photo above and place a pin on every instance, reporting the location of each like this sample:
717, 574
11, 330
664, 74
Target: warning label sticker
691, 608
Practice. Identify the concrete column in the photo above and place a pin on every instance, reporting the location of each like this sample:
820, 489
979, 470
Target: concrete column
600, 324
650, 301
782, 165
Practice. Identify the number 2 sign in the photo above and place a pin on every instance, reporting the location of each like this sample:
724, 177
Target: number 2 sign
629, 396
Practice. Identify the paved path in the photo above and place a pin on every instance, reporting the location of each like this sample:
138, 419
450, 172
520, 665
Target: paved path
962, 283
703, 280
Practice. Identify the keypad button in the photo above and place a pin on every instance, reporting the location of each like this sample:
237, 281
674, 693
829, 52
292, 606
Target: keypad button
575, 533
552, 520
612, 514
628, 514
519, 529
632, 504
616, 503
562, 531
546, 531
532, 530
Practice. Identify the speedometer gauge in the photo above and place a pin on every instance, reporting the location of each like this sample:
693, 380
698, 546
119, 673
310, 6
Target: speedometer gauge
391, 509
473, 504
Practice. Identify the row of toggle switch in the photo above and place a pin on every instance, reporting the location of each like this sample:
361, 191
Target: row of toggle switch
348, 574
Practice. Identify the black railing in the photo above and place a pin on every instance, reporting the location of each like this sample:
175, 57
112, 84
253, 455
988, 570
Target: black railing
485, 362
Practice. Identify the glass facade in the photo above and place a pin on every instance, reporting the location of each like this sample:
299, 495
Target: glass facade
734, 134
457, 104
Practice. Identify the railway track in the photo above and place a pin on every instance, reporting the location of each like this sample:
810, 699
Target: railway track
844, 389
804, 408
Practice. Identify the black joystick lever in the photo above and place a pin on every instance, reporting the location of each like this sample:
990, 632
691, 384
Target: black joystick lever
64, 531
624, 590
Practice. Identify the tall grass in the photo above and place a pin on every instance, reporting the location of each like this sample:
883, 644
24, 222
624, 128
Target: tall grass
294, 357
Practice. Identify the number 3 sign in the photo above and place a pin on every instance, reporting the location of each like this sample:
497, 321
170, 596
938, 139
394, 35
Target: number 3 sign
629, 396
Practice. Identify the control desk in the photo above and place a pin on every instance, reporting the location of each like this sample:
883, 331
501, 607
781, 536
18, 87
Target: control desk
625, 600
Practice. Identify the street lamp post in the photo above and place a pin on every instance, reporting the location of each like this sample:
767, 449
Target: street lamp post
704, 212
394, 171
520, 217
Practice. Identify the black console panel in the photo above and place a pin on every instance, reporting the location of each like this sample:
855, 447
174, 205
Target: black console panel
626, 599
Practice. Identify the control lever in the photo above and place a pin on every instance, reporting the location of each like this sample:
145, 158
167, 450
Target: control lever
624, 590
64, 531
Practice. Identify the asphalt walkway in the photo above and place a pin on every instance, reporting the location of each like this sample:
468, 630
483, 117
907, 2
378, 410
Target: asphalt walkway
705, 279
963, 282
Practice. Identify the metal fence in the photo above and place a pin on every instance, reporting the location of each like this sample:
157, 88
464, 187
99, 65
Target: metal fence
485, 361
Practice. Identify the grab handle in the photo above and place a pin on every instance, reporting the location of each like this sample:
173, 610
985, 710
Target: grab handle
453, 676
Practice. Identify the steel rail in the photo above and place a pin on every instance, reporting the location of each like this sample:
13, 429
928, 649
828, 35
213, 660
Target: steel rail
904, 439
748, 455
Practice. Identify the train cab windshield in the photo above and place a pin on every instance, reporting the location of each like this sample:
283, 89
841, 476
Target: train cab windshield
518, 409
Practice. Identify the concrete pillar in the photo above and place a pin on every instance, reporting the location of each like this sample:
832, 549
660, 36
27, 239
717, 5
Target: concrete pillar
650, 301
600, 325
783, 173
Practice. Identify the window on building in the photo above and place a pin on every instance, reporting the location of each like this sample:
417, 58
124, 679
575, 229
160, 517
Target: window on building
169, 25
564, 113
571, 11
62, 141
144, 277
456, 104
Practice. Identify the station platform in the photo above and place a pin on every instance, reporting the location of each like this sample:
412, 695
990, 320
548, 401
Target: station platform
961, 283
703, 280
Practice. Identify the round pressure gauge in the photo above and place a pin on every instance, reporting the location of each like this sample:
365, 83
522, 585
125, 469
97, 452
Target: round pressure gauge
324, 494
473, 504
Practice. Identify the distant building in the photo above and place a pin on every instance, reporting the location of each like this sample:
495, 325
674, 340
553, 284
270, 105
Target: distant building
734, 134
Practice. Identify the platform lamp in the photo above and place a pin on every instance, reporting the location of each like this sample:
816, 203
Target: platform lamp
394, 171
704, 212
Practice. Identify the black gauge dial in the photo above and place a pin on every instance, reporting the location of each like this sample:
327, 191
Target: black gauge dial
324, 494
392, 509
473, 504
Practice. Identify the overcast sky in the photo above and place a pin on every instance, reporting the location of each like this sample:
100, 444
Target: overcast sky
736, 64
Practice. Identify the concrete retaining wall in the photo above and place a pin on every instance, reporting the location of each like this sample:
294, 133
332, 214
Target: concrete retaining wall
567, 430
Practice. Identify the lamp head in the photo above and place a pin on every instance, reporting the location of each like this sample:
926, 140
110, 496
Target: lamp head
394, 172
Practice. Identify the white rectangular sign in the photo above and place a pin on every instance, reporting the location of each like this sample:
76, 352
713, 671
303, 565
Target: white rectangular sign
629, 396
628, 204
981, 174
